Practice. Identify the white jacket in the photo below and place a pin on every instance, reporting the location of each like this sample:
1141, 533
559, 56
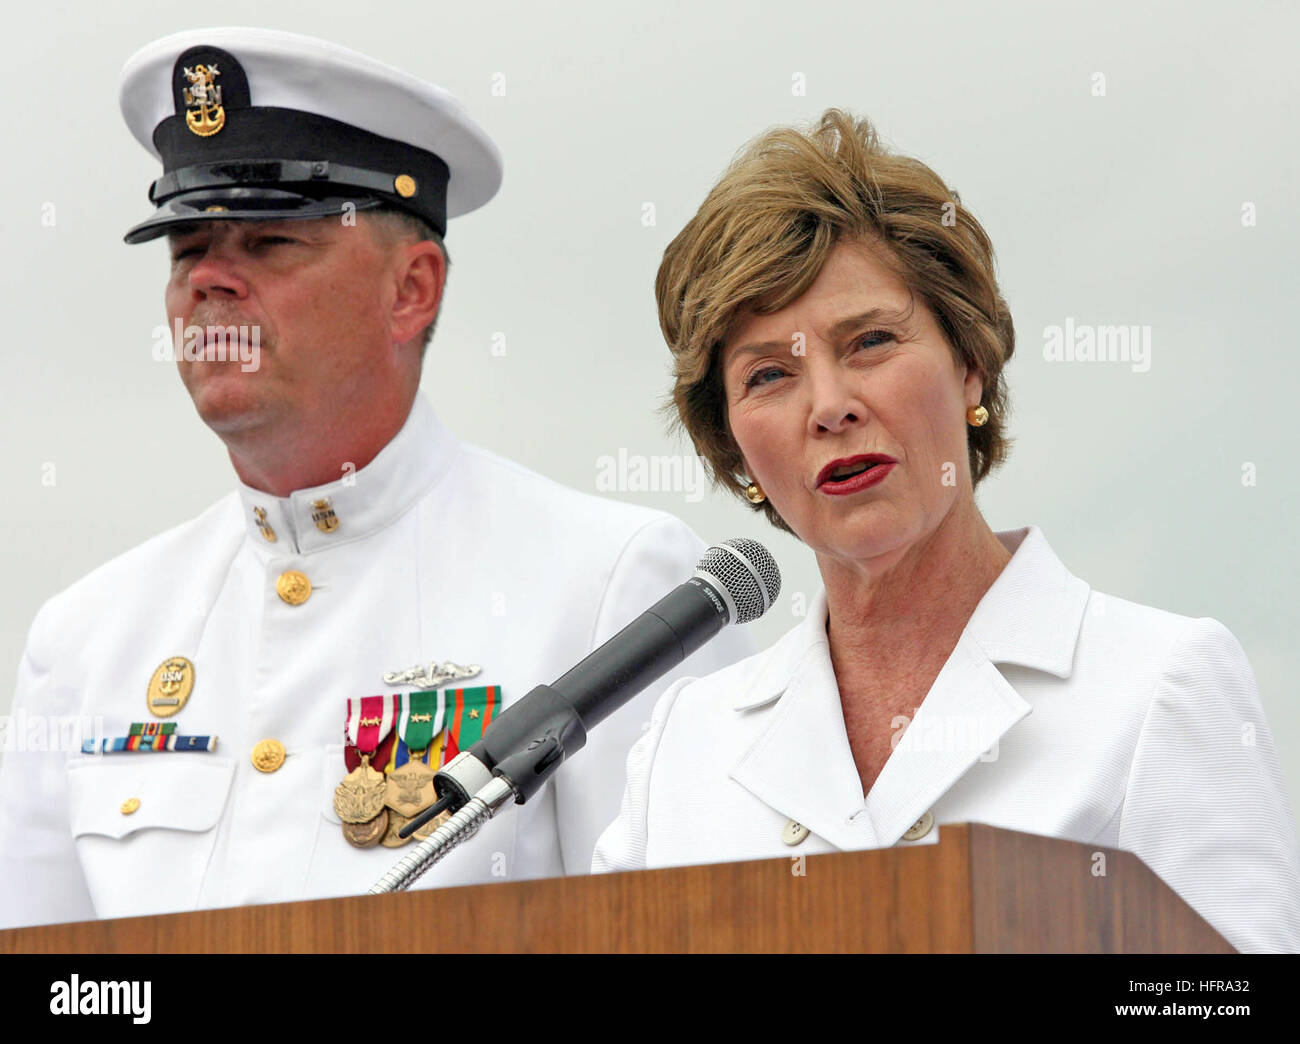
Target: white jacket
443, 551
1061, 711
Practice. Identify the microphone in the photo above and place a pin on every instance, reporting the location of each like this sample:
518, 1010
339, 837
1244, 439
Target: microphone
735, 582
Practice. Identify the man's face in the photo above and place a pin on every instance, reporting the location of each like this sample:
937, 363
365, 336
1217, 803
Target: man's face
317, 292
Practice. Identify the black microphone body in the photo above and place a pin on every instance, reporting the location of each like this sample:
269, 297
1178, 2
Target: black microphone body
735, 582
531, 737
644, 651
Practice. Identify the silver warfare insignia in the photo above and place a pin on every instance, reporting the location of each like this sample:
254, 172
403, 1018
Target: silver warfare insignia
431, 676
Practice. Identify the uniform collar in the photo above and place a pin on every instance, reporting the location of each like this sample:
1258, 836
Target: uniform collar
801, 763
1030, 616
358, 503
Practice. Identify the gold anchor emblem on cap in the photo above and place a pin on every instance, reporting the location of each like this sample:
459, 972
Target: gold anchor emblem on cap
210, 116
323, 515
170, 686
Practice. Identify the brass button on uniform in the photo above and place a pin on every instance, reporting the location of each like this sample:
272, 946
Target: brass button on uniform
920, 828
293, 587
268, 755
130, 805
793, 833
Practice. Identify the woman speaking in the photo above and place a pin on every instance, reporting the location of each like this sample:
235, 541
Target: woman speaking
839, 341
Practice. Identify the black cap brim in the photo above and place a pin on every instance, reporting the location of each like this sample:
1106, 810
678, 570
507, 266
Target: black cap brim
243, 204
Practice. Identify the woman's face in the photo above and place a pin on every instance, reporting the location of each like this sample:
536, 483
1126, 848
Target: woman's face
856, 366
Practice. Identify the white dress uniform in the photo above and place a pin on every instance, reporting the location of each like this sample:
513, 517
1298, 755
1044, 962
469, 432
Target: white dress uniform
442, 551
1061, 712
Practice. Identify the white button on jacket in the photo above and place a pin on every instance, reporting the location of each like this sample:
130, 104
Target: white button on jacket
1061, 711
442, 551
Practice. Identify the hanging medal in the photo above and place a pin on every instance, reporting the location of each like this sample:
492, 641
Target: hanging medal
461, 718
410, 787
359, 799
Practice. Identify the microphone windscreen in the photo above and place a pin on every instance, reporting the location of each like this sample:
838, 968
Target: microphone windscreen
746, 570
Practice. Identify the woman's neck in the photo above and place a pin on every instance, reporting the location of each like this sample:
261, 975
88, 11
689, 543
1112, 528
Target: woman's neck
900, 616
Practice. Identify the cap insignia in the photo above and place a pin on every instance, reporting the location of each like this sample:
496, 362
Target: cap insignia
204, 114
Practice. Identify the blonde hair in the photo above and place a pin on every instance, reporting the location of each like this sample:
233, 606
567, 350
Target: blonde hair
761, 237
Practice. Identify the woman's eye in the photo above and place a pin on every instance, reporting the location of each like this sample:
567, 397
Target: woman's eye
762, 376
874, 338
186, 252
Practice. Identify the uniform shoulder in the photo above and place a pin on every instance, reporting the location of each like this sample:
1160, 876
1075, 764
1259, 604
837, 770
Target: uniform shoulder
217, 528
549, 503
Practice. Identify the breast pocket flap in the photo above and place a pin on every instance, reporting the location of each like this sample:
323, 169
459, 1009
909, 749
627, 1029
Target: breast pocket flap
116, 796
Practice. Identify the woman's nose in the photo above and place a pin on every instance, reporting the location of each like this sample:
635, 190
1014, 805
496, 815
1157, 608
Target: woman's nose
835, 406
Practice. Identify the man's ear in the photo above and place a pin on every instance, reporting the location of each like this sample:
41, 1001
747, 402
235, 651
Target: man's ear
420, 275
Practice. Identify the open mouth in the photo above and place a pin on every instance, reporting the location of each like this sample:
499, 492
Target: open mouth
848, 471
845, 471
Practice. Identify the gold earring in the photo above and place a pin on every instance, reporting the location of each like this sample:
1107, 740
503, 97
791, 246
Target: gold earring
754, 493
976, 416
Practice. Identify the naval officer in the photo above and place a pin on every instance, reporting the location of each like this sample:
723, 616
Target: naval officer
374, 591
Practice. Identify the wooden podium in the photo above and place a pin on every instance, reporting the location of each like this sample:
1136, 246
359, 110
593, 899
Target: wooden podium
979, 890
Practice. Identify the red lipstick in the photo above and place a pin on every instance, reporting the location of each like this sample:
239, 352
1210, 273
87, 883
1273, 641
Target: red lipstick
852, 474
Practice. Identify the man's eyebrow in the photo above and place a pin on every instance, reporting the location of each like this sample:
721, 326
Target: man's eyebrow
879, 314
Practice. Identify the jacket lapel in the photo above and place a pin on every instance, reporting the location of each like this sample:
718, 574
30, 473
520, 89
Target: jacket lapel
801, 764
966, 712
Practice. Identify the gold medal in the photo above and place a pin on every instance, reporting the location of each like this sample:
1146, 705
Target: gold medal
170, 686
395, 823
410, 788
367, 834
360, 797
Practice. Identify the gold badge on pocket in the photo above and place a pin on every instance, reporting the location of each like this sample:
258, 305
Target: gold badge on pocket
170, 686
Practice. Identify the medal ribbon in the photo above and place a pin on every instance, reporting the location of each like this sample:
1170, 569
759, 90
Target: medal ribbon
470, 712
370, 720
149, 735
421, 719
364, 736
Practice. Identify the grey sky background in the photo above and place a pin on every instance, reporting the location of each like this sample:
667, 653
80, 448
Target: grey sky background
1117, 209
